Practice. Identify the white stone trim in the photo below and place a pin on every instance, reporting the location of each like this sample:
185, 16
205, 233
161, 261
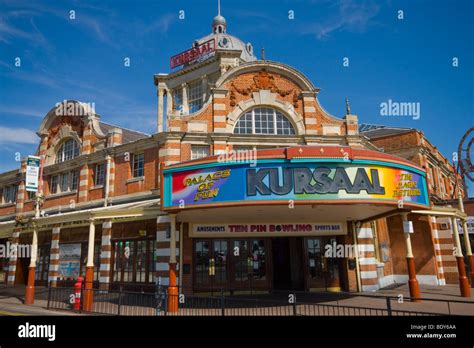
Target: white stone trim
219, 107
220, 119
370, 288
368, 274
365, 247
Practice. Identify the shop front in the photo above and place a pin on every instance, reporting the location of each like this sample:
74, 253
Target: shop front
275, 224
264, 257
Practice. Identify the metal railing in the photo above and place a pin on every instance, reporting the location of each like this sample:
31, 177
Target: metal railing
119, 302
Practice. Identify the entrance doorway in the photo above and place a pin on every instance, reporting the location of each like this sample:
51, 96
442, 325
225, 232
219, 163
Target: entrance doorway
287, 263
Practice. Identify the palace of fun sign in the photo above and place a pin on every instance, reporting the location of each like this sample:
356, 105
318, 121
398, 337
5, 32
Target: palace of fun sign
220, 184
198, 52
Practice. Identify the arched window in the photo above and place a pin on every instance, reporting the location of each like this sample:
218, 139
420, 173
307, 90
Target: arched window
68, 150
264, 121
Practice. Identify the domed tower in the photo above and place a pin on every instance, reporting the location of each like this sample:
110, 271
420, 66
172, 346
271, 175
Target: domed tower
187, 89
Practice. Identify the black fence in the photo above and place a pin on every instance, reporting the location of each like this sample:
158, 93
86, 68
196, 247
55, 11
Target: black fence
119, 302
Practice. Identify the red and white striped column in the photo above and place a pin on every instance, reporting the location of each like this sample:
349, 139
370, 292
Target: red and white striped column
367, 261
13, 258
105, 255
54, 257
439, 238
162, 251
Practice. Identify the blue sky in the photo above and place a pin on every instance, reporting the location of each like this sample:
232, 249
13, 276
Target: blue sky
408, 60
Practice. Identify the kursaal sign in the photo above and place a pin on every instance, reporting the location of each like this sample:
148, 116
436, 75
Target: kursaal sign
220, 184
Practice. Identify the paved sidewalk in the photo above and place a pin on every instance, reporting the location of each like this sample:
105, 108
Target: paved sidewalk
12, 297
11, 300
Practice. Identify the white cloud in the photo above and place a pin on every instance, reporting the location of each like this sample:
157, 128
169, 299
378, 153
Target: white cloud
350, 15
13, 135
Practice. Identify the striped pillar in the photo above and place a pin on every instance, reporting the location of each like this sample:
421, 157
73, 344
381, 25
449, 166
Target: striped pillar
367, 262
53, 273
220, 111
13, 259
22, 193
437, 239
170, 152
162, 251
444, 246
310, 114
83, 183
105, 255
112, 177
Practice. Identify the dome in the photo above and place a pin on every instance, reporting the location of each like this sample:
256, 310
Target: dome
219, 20
225, 41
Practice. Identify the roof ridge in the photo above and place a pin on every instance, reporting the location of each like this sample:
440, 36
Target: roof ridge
128, 129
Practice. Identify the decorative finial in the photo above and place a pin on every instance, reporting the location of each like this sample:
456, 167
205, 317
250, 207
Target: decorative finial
263, 53
348, 108
219, 24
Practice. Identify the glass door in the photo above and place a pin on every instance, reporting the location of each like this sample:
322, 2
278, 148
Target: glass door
211, 264
323, 271
202, 256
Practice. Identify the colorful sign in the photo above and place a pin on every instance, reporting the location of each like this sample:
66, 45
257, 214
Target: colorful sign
302, 181
32, 173
198, 52
268, 229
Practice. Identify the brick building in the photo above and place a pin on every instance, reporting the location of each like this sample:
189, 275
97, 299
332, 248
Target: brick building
248, 183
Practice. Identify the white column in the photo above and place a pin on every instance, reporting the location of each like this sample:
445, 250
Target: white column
467, 242
184, 86
409, 250
34, 246
160, 110
172, 238
90, 250
204, 88
457, 240
169, 103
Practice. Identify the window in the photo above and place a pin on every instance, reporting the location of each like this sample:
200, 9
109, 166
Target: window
64, 182
195, 96
42, 263
431, 175
67, 151
199, 152
178, 100
74, 180
138, 166
134, 261
54, 184
31, 195
264, 121
99, 175
9, 194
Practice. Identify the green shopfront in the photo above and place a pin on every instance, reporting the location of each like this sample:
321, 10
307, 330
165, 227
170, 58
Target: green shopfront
275, 223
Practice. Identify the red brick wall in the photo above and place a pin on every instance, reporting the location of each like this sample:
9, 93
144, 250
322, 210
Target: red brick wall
422, 245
